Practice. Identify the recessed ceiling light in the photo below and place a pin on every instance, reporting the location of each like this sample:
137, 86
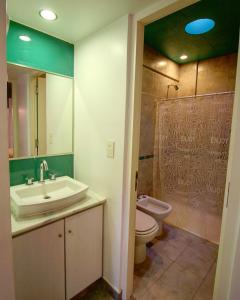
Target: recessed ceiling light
24, 38
183, 57
162, 63
48, 14
199, 26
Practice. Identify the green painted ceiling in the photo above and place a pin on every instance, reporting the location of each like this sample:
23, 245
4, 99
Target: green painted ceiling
168, 37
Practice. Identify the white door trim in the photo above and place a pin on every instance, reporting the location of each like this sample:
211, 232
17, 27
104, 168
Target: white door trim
227, 274
6, 273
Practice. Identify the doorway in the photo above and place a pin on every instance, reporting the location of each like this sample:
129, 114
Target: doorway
170, 89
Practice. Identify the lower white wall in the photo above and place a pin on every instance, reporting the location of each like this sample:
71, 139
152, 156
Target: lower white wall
6, 271
100, 104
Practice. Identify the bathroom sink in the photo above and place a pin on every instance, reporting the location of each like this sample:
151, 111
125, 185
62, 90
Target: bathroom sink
40, 198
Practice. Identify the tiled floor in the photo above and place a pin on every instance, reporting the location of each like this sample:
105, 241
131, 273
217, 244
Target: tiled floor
98, 291
179, 266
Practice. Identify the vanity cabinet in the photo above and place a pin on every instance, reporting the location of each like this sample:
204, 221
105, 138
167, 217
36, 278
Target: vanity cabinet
59, 260
83, 250
39, 263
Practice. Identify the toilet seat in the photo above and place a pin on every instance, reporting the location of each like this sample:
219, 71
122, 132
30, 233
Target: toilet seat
145, 233
145, 224
146, 229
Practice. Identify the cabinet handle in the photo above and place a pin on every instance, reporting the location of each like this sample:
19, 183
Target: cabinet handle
60, 235
69, 231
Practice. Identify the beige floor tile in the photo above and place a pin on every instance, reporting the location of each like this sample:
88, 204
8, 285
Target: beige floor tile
171, 244
178, 267
205, 291
194, 262
175, 284
147, 273
208, 251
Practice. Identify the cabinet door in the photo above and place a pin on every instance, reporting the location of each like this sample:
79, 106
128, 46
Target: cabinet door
39, 263
83, 233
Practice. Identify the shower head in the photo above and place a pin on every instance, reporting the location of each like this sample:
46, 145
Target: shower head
175, 86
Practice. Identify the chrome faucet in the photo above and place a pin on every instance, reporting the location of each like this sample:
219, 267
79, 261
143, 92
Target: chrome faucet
43, 168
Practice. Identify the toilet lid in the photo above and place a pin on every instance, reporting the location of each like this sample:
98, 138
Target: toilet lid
144, 222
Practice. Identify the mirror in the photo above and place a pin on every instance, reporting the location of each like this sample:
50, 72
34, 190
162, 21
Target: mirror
40, 112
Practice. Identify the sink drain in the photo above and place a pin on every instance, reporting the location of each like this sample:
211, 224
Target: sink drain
46, 197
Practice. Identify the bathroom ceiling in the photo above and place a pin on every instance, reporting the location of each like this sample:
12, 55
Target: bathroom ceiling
76, 18
168, 36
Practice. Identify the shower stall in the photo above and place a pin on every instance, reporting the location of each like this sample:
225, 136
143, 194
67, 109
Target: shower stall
190, 159
184, 138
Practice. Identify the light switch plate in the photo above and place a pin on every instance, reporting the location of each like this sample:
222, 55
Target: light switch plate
110, 149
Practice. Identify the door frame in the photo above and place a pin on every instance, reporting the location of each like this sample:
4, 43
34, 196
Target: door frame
231, 213
6, 257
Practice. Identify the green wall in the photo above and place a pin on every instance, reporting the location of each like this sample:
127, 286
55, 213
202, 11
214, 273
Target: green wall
43, 52
61, 165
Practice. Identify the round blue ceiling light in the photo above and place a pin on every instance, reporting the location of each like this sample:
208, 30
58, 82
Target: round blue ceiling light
199, 26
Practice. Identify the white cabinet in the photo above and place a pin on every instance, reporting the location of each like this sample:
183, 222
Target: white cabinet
65, 255
39, 263
83, 234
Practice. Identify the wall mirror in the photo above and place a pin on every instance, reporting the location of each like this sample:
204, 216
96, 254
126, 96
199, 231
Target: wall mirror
40, 112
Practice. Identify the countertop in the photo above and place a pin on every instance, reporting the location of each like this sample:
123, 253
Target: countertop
20, 226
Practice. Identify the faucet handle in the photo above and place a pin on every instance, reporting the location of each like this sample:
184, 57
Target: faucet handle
52, 176
29, 181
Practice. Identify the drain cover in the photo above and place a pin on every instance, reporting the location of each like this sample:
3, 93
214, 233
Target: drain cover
46, 197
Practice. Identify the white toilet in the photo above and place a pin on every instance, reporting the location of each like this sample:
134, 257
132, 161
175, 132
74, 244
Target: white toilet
158, 209
146, 230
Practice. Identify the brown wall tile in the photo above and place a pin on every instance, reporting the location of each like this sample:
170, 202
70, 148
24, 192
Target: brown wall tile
145, 177
160, 63
187, 79
217, 74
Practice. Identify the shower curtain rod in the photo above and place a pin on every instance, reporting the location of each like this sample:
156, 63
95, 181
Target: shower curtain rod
160, 73
194, 96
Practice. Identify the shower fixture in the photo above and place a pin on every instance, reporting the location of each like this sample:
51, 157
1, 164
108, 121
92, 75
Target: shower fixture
175, 86
168, 87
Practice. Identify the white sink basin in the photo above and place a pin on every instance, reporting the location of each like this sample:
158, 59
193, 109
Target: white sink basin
39, 198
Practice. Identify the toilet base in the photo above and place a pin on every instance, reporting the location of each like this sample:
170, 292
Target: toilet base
140, 253
160, 231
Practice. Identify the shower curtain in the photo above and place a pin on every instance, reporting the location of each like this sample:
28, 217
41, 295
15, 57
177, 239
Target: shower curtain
191, 150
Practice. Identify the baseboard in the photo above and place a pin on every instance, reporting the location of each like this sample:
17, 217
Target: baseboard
116, 294
194, 233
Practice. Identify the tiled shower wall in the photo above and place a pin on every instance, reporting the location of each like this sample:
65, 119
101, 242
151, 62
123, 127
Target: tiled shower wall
214, 75
154, 86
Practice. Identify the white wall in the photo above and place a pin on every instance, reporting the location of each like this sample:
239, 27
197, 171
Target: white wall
59, 108
22, 90
6, 273
100, 105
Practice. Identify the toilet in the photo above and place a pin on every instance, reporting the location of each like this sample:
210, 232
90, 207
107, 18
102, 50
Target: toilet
158, 209
146, 229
